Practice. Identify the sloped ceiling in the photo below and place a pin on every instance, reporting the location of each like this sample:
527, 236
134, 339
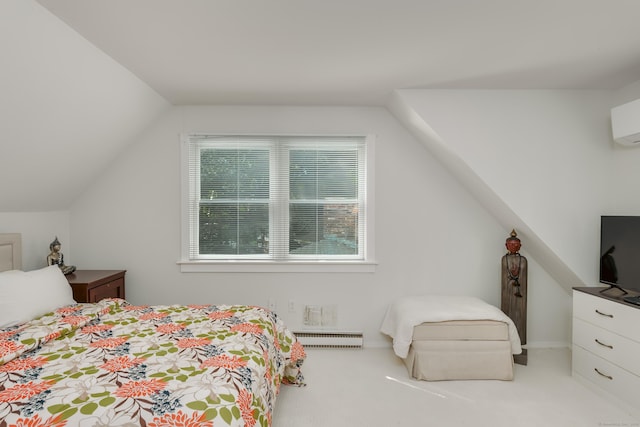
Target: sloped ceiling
81, 78
67, 109
357, 52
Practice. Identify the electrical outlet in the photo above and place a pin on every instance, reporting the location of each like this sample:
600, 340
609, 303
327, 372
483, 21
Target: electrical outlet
292, 306
272, 304
313, 315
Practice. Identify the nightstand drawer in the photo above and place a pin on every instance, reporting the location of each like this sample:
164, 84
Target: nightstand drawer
113, 289
95, 285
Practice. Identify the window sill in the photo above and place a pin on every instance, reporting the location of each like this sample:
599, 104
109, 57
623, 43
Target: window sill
277, 267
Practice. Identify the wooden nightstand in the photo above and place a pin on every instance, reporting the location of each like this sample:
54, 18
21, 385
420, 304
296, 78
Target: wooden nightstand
94, 285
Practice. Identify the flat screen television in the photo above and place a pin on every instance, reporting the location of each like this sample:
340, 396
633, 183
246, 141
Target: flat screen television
620, 251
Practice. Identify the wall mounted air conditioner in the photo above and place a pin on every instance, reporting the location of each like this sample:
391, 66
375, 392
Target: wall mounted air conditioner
625, 123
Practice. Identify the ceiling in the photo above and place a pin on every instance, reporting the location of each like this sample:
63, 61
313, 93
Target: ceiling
356, 52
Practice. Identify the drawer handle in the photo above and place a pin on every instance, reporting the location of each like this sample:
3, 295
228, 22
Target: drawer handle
603, 344
604, 314
601, 374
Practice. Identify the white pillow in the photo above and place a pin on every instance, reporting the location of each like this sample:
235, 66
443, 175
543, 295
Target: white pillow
26, 295
10, 310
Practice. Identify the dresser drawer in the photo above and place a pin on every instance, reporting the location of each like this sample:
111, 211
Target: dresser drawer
609, 377
606, 314
603, 343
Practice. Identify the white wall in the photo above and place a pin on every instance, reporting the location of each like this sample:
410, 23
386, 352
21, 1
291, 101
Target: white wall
432, 236
437, 241
547, 154
625, 170
546, 157
67, 109
38, 230
550, 157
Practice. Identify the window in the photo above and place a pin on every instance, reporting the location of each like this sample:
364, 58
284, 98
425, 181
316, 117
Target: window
275, 200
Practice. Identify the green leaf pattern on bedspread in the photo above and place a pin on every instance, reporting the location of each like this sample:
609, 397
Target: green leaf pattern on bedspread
116, 364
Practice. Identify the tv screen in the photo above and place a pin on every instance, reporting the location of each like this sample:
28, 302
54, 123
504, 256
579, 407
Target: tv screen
620, 251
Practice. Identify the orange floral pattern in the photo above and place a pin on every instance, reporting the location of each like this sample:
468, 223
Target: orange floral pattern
36, 421
224, 361
7, 347
216, 315
297, 352
23, 391
180, 419
52, 336
198, 306
169, 328
121, 363
153, 316
140, 388
248, 328
192, 342
23, 364
109, 342
113, 363
244, 402
6, 334
75, 320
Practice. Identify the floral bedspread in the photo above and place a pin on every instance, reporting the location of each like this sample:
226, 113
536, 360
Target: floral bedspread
116, 364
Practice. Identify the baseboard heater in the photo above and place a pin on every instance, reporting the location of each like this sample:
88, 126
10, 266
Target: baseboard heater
319, 339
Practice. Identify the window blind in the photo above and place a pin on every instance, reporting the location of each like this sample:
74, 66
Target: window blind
281, 198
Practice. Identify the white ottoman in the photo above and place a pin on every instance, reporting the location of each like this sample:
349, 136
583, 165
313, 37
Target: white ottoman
460, 350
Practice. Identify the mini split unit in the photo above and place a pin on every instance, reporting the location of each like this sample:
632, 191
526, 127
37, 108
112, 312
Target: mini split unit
625, 123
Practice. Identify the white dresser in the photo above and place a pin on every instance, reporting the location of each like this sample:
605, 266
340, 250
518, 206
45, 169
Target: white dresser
606, 344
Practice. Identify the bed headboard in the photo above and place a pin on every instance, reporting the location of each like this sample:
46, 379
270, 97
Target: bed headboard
10, 251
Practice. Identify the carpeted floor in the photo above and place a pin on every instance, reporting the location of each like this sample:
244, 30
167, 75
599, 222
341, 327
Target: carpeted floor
371, 387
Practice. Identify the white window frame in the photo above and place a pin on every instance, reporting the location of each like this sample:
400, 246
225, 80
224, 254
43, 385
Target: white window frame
365, 265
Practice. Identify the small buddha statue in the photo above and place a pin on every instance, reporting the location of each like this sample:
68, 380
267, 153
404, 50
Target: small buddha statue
56, 257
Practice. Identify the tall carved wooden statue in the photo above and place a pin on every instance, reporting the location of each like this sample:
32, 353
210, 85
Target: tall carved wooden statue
514, 290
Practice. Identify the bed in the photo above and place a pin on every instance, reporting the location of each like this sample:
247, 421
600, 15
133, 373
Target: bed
113, 363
